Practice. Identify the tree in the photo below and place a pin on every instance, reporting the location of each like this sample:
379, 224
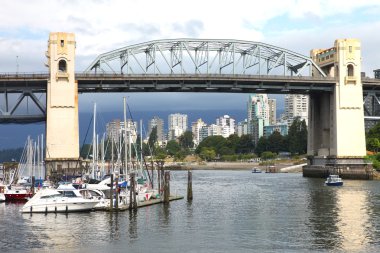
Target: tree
214, 142
186, 140
245, 145
160, 153
207, 154
275, 142
233, 142
297, 137
262, 145
153, 137
268, 155
373, 144
180, 155
172, 147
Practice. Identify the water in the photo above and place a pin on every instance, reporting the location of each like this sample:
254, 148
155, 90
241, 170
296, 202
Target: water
232, 211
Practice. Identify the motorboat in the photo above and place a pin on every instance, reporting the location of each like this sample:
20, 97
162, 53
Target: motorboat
334, 180
54, 200
256, 170
17, 193
96, 195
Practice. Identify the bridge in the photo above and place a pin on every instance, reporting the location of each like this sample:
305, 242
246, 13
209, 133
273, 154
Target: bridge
331, 77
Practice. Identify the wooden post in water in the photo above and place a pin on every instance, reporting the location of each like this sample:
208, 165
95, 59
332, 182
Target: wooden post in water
159, 180
167, 187
132, 193
111, 193
117, 192
33, 183
162, 179
189, 185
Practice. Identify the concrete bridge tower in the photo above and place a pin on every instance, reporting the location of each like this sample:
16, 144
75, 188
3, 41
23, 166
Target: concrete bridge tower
62, 131
336, 138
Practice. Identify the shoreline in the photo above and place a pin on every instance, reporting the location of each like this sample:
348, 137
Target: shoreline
282, 167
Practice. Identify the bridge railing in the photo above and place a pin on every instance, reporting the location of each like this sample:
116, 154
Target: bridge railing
24, 75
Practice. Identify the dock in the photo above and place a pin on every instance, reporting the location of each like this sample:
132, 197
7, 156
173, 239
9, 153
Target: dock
139, 204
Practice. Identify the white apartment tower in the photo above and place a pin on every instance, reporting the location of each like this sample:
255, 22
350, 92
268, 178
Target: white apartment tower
227, 125
296, 105
195, 129
272, 111
159, 123
115, 130
177, 125
258, 113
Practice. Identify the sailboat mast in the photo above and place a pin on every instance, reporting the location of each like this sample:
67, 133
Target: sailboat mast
141, 144
125, 136
94, 143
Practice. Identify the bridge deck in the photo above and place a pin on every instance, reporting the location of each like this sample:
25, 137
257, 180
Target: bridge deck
37, 82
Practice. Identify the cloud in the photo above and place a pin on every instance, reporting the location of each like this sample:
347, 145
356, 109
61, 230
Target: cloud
104, 25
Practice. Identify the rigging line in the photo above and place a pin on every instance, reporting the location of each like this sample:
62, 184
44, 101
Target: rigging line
84, 140
133, 123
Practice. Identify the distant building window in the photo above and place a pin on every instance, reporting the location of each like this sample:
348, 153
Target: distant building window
350, 70
62, 43
62, 66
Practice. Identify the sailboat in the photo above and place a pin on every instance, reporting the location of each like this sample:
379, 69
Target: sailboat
20, 187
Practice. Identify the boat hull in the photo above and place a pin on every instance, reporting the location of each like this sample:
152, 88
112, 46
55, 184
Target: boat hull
59, 207
17, 196
334, 184
2, 197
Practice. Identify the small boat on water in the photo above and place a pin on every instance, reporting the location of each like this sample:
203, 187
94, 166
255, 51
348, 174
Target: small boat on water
256, 170
334, 180
17, 193
52, 200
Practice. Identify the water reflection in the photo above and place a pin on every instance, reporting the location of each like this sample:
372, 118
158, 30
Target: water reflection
132, 229
353, 222
341, 216
324, 215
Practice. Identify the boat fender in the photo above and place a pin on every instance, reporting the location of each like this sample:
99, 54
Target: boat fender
46, 209
31, 209
55, 209
67, 208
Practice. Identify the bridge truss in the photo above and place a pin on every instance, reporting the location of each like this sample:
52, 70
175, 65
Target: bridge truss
196, 56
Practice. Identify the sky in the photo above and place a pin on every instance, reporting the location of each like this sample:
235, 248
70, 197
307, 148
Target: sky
104, 25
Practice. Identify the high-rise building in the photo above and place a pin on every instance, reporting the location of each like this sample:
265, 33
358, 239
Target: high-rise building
296, 105
226, 124
281, 128
159, 123
195, 129
258, 115
242, 128
272, 111
115, 128
177, 125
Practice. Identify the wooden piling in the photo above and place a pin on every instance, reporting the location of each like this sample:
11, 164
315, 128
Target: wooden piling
189, 185
132, 193
167, 187
33, 183
111, 193
159, 180
117, 193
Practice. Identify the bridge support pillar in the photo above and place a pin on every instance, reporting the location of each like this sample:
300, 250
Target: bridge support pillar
62, 130
336, 141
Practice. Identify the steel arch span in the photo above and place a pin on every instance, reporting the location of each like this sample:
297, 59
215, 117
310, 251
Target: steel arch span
198, 56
